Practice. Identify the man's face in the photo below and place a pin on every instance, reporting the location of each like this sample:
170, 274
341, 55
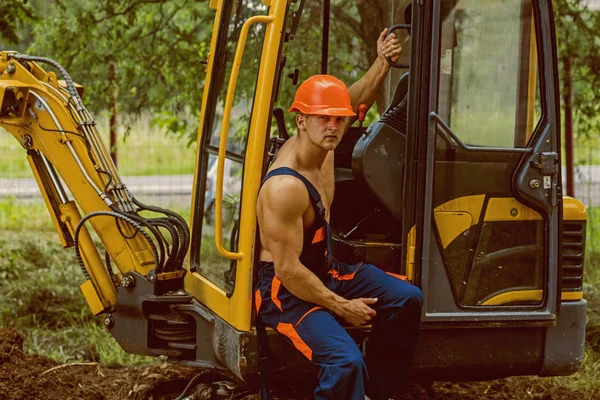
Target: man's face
323, 130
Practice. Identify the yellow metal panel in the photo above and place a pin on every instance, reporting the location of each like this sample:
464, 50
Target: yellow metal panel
571, 296
452, 216
241, 301
55, 220
237, 309
509, 209
214, 4
450, 224
573, 210
144, 257
528, 295
410, 254
517, 295
94, 265
19, 90
468, 204
92, 297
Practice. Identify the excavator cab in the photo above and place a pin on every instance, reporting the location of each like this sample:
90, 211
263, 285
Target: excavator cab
453, 181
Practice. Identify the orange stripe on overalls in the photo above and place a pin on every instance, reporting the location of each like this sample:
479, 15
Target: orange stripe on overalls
319, 235
403, 277
275, 291
289, 331
257, 300
346, 277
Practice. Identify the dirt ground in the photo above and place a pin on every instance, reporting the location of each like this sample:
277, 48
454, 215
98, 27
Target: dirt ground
32, 377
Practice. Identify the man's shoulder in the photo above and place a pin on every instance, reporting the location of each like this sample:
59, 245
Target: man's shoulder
284, 194
283, 185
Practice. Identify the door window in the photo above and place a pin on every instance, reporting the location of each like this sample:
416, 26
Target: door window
212, 264
488, 86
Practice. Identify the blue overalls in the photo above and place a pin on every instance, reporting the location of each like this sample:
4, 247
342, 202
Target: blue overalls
317, 332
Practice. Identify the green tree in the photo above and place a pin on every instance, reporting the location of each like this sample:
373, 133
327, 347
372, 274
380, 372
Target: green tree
15, 14
579, 55
157, 46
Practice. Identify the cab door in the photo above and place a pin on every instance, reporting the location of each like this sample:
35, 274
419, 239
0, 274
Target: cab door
485, 165
234, 125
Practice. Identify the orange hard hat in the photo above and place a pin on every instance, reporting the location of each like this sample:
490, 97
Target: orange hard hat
323, 95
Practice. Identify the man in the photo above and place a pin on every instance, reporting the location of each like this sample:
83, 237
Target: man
302, 292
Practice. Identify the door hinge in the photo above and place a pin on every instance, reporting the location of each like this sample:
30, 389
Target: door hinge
547, 162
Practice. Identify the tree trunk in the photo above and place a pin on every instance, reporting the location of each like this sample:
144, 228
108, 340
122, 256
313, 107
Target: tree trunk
112, 76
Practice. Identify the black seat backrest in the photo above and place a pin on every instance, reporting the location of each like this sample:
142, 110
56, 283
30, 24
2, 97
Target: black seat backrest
400, 92
379, 155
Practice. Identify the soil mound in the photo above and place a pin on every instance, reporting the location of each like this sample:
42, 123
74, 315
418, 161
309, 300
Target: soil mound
33, 377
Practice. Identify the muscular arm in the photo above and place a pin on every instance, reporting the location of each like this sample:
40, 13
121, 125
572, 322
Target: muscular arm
284, 203
366, 88
284, 200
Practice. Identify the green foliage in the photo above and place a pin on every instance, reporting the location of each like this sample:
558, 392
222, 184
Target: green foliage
40, 296
14, 212
14, 14
156, 46
578, 45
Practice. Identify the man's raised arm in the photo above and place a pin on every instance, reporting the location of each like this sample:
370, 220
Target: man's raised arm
365, 89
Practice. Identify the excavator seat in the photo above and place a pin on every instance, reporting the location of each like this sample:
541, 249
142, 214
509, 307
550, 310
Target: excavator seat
369, 170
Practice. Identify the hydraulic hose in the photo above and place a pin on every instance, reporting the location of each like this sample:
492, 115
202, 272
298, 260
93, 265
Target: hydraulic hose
70, 84
108, 214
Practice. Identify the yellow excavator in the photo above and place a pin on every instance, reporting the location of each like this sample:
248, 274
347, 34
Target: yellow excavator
456, 184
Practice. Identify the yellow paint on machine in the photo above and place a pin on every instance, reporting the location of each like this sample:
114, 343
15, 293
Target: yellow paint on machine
527, 295
236, 310
452, 217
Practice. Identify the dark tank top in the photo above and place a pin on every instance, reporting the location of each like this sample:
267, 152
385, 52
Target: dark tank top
316, 247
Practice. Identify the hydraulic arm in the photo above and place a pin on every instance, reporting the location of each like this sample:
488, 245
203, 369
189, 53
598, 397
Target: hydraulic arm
65, 151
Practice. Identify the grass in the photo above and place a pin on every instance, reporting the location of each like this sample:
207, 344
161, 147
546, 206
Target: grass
39, 295
146, 150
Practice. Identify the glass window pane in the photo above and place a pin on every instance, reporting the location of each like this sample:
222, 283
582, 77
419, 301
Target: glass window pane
488, 72
212, 264
246, 82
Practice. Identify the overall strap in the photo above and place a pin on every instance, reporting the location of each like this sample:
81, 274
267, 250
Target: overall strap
312, 191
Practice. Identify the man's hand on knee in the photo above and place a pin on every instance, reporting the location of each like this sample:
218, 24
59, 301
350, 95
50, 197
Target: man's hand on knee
357, 311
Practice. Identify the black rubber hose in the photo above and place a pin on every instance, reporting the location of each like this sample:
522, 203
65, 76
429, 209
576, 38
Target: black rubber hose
158, 260
108, 214
178, 251
70, 85
182, 249
181, 223
172, 255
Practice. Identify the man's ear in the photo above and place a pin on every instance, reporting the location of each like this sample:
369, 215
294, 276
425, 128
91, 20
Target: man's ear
301, 121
